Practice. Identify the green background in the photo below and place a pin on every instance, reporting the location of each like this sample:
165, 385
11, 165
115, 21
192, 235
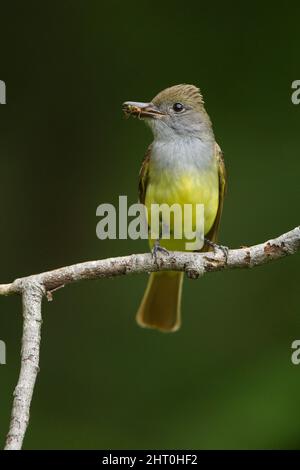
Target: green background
225, 380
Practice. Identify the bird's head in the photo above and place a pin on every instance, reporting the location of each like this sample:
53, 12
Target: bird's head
177, 111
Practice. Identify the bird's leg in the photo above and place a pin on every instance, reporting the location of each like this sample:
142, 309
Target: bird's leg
216, 247
156, 248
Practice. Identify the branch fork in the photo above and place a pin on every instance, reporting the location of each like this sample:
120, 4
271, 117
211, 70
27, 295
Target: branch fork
33, 288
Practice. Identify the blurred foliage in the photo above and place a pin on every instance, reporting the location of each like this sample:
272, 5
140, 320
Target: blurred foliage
225, 380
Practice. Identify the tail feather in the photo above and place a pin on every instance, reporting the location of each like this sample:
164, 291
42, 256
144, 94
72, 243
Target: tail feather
161, 304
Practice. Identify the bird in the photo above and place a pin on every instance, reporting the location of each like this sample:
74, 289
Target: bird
183, 165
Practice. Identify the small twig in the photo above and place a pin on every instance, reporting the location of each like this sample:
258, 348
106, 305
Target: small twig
49, 293
32, 300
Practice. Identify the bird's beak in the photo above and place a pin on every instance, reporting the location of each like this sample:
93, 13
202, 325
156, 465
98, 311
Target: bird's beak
142, 110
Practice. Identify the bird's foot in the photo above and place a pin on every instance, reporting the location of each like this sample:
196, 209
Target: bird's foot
217, 247
156, 249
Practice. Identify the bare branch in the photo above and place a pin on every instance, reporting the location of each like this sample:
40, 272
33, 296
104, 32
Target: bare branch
194, 264
6, 289
32, 299
33, 287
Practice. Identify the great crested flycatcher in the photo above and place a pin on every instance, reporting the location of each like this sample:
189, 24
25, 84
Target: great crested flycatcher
183, 165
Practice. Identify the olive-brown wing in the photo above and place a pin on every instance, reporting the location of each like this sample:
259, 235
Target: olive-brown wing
212, 235
144, 176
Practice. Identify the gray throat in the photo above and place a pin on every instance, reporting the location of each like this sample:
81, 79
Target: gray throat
182, 154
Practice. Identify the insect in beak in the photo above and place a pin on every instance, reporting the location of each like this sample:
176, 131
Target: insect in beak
141, 110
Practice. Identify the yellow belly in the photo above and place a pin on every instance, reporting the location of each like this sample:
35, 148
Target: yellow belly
187, 188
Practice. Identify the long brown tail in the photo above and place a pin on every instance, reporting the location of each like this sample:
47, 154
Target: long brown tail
160, 307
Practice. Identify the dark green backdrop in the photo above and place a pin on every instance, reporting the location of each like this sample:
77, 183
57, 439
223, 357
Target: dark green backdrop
225, 380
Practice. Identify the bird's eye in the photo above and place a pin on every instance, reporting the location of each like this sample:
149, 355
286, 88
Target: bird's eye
178, 107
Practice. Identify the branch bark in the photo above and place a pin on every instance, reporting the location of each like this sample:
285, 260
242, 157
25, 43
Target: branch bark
35, 286
32, 319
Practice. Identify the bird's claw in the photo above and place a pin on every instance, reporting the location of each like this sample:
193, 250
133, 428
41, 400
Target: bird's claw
157, 248
216, 247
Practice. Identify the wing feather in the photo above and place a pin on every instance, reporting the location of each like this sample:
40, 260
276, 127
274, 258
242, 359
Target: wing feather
144, 176
213, 233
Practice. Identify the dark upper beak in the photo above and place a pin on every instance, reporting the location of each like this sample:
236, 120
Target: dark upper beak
142, 110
